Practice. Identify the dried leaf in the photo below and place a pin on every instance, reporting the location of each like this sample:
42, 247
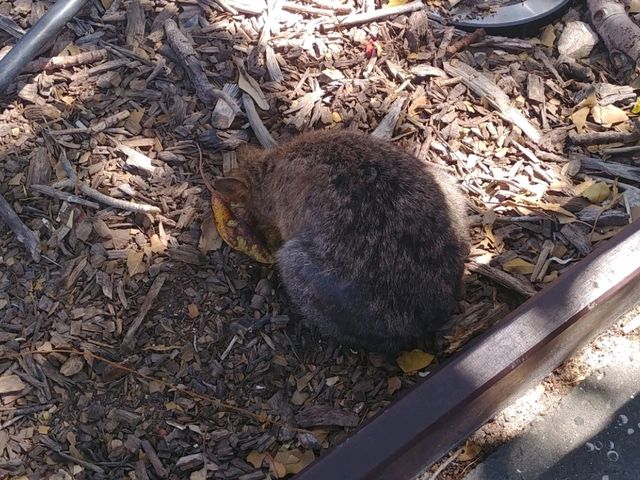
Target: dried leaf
278, 469
414, 360
255, 458
595, 192
470, 451
210, 239
294, 460
135, 262
393, 385
634, 7
156, 244
579, 118
518, 265
548, 36
193, 311
395, 3
608, 115
250, 86
199, 474
236, 233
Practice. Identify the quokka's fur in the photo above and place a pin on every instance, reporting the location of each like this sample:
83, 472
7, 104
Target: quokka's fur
370, 240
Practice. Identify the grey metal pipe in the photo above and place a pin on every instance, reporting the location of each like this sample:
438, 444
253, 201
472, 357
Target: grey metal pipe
46, 28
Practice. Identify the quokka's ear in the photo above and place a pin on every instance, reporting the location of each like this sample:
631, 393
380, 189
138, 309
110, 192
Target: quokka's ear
232, 189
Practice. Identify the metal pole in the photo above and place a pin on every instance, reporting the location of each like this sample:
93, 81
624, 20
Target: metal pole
46, 28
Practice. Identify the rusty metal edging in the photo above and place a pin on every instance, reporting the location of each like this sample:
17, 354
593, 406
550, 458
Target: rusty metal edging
442, 410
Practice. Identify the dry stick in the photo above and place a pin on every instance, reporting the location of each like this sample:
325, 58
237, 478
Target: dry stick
615, 27
600, 138
107, 200
24, 234
156, 463
55, 63
259, 130
128, 342
372, 16
190, 61
67, 197
503, 278
307, 10
465, 41
486, 88
627, 172
326, 4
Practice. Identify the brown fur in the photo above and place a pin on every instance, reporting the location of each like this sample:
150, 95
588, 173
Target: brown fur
373, 239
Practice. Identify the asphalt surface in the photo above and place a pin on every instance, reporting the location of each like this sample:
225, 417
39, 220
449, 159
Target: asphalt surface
593, 433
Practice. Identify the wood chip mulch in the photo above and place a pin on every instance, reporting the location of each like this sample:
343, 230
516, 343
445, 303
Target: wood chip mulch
132, 340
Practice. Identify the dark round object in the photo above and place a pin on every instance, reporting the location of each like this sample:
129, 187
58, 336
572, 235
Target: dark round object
521, 19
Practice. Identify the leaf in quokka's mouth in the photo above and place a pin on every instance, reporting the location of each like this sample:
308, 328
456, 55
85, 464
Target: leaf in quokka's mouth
236, 232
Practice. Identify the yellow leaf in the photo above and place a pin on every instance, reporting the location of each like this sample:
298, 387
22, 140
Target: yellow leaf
636, 106
595, 192
395, 3
414, 360
579, 118
518, 265
236, 232
608, 115
43, 429
548, 36
634, 7
255, 458
335, 116
590, 101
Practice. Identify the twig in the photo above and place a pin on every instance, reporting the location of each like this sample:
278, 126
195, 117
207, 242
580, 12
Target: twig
619, 33
260, 131
154, 290
55, 63
501, 277
107, 200
372, 16
67, 197
327, 4
307, 10
156, 463
190, 61
445, 464
599, 138
23, 233
465, 41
